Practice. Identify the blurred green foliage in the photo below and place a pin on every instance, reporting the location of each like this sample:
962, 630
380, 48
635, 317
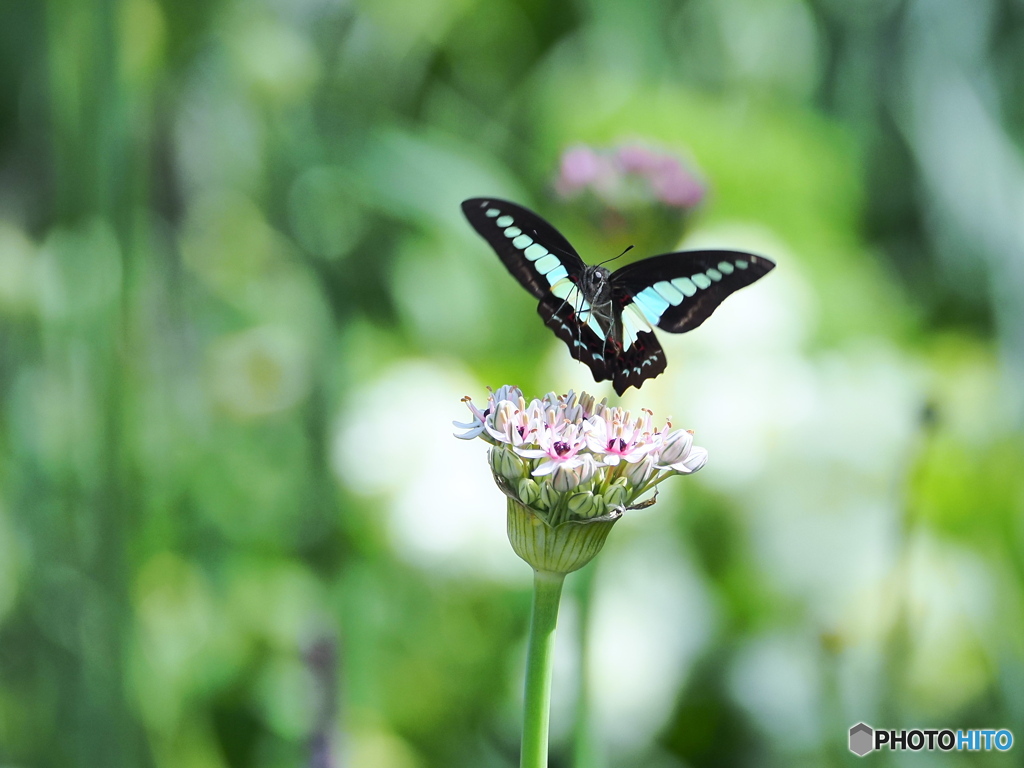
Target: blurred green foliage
239, 307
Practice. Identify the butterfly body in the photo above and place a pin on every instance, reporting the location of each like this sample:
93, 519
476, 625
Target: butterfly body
595, 285
604, 317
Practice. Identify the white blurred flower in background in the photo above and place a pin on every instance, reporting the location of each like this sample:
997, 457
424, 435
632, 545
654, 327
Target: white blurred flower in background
440, 506
259, 371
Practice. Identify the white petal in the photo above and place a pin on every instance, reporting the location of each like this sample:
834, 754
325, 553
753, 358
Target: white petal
531, 453
545, 468
499, 436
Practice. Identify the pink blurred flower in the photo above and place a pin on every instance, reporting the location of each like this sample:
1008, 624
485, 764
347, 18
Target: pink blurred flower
614, 174
580, 166
636, 158
675, 186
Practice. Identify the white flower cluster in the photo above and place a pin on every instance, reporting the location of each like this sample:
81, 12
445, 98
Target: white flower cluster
570, 457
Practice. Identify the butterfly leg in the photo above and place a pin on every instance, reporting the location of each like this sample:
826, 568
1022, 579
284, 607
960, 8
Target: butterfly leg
577, 331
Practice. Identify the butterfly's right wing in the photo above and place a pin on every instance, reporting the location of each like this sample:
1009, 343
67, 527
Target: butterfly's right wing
536, 253
679, 291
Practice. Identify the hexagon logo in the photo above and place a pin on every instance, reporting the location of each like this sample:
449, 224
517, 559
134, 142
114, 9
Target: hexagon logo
862, 739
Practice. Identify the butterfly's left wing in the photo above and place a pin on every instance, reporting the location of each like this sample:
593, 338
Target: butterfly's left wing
536, 253
679, 291
547, 265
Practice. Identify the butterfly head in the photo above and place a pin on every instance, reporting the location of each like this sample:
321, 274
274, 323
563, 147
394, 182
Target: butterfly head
596, 285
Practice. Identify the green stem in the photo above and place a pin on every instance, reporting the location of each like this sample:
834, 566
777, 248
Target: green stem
586, 751
656, 479
547, 590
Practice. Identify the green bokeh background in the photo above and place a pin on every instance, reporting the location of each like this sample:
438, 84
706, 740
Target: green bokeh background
239, 306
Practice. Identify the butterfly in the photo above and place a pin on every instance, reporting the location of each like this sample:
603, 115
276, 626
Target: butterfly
604, 317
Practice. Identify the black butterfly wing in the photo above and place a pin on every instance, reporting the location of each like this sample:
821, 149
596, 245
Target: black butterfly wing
679, 291
676, 292
604, 352
547, 265
642, 359
585, 343
536, 253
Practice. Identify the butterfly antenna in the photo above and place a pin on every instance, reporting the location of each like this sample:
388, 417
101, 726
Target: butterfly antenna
553, 247
606, 261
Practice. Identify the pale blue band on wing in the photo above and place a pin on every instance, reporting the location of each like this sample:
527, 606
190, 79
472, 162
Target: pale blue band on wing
547, 263
652, 304
592, 321
701, 280
556, 274
670, 293
685, 285
535, 251
633, 323
569, 292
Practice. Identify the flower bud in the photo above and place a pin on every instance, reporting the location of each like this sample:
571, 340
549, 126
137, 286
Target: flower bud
582, 504
698, 458
564, 479
617, 494
505, 463
529, 491
639, 473
569, 476
675, 447
507, 392
548, 496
